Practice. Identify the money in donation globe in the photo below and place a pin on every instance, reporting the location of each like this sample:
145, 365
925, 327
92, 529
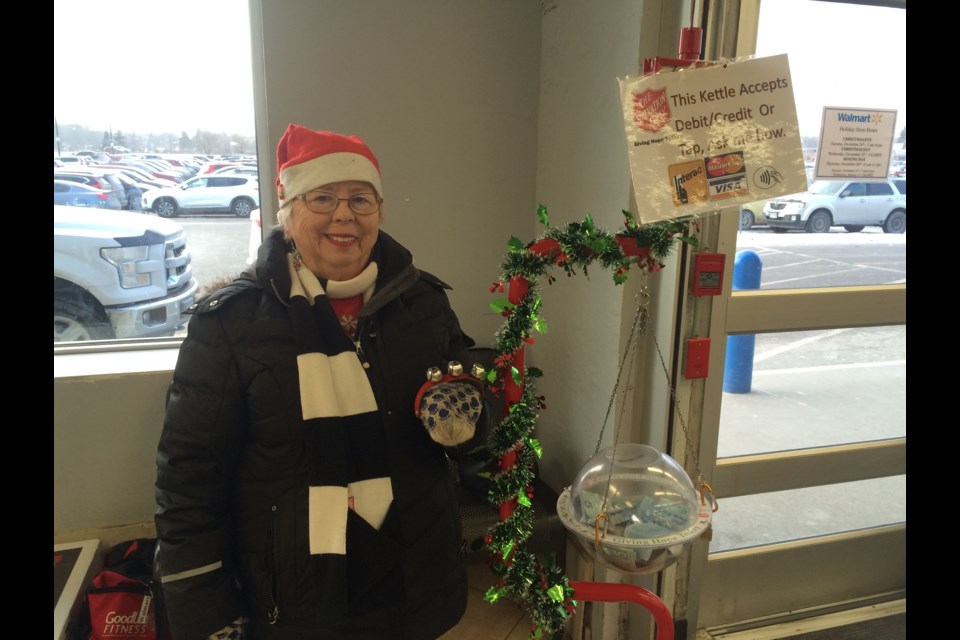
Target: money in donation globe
649, 510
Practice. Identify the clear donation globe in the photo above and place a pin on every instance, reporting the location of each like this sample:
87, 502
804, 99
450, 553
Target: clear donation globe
634, 509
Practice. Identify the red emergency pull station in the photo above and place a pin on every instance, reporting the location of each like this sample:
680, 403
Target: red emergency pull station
708, 273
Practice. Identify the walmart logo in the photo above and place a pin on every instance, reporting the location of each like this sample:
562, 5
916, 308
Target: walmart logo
852, 117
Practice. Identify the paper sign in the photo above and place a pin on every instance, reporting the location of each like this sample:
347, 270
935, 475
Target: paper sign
704, 138
855, 143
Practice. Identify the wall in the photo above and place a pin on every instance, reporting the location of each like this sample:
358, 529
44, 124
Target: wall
582, 169
107, 413
445, 93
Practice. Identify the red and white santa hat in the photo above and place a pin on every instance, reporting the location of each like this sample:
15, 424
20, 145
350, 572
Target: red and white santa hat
307, 159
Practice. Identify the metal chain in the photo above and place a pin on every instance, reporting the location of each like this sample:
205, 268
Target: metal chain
639, 327
639, 322
676, 407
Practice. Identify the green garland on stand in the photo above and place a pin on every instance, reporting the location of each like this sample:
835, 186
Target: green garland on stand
544, 591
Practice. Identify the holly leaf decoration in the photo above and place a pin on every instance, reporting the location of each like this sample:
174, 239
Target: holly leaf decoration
556, 593
542, 216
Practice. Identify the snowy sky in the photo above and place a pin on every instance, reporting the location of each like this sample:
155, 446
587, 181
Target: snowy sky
153, 66
840, 55
158, 66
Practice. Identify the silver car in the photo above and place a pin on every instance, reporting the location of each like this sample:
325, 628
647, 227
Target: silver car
851, 204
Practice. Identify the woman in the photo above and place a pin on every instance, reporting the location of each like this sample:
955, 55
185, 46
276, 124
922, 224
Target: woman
298, 494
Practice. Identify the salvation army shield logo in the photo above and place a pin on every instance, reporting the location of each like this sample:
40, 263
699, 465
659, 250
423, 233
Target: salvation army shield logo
650, 109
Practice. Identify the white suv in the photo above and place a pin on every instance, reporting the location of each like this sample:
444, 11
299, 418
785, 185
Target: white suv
236, 194
850, 204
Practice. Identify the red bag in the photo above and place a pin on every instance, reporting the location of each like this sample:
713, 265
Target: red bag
119, 604
121, 608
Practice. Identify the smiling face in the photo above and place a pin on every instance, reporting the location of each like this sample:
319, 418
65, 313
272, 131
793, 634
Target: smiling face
334, 246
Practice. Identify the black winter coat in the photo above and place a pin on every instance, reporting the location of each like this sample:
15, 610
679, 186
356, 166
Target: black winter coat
232, 472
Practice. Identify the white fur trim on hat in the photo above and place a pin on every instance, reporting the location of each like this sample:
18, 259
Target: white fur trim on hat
309, 159
333, 167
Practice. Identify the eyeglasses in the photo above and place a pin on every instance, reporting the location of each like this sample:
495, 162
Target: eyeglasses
362, 204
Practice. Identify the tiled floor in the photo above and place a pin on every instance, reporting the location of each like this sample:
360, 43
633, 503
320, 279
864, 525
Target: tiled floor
504, 620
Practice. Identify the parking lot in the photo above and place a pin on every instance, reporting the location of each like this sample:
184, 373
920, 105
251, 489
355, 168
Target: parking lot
219, 245
839, 258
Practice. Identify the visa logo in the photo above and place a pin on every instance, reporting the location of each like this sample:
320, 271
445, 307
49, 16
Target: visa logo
727, 187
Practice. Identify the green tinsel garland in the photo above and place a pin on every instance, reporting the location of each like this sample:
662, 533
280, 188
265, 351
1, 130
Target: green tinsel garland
544, 591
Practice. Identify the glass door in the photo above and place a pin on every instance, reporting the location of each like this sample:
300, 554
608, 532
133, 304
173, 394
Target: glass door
809, 423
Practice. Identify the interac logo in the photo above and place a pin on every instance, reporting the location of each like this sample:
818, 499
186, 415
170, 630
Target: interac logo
689, 182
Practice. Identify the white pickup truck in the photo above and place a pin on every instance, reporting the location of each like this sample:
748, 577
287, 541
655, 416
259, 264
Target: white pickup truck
118, 274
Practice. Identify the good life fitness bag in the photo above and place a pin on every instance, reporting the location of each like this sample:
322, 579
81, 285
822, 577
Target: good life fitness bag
119, 604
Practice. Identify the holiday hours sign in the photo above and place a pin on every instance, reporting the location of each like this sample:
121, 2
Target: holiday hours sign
703, 138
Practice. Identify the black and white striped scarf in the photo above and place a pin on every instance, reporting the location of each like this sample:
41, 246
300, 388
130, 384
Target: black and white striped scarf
344, 432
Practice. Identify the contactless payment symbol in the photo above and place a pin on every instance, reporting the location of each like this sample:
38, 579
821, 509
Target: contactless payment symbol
766, 177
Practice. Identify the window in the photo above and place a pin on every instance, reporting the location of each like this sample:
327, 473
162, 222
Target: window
855, 189
162, 123
811, 448
879, 189
815, 35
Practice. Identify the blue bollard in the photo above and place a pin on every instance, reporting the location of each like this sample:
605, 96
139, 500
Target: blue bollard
738, 365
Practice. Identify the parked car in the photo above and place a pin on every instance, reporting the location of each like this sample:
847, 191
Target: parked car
751, 214
850, 204
133, 189
164, 169
77, 194
141, 176
187, 167
94, 178
74, 161
235, 194
899, 170
118, 274
156, 172
901, 185
241, 169
210, 167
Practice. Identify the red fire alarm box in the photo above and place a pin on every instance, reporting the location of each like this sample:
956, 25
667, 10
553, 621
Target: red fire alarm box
708, 273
